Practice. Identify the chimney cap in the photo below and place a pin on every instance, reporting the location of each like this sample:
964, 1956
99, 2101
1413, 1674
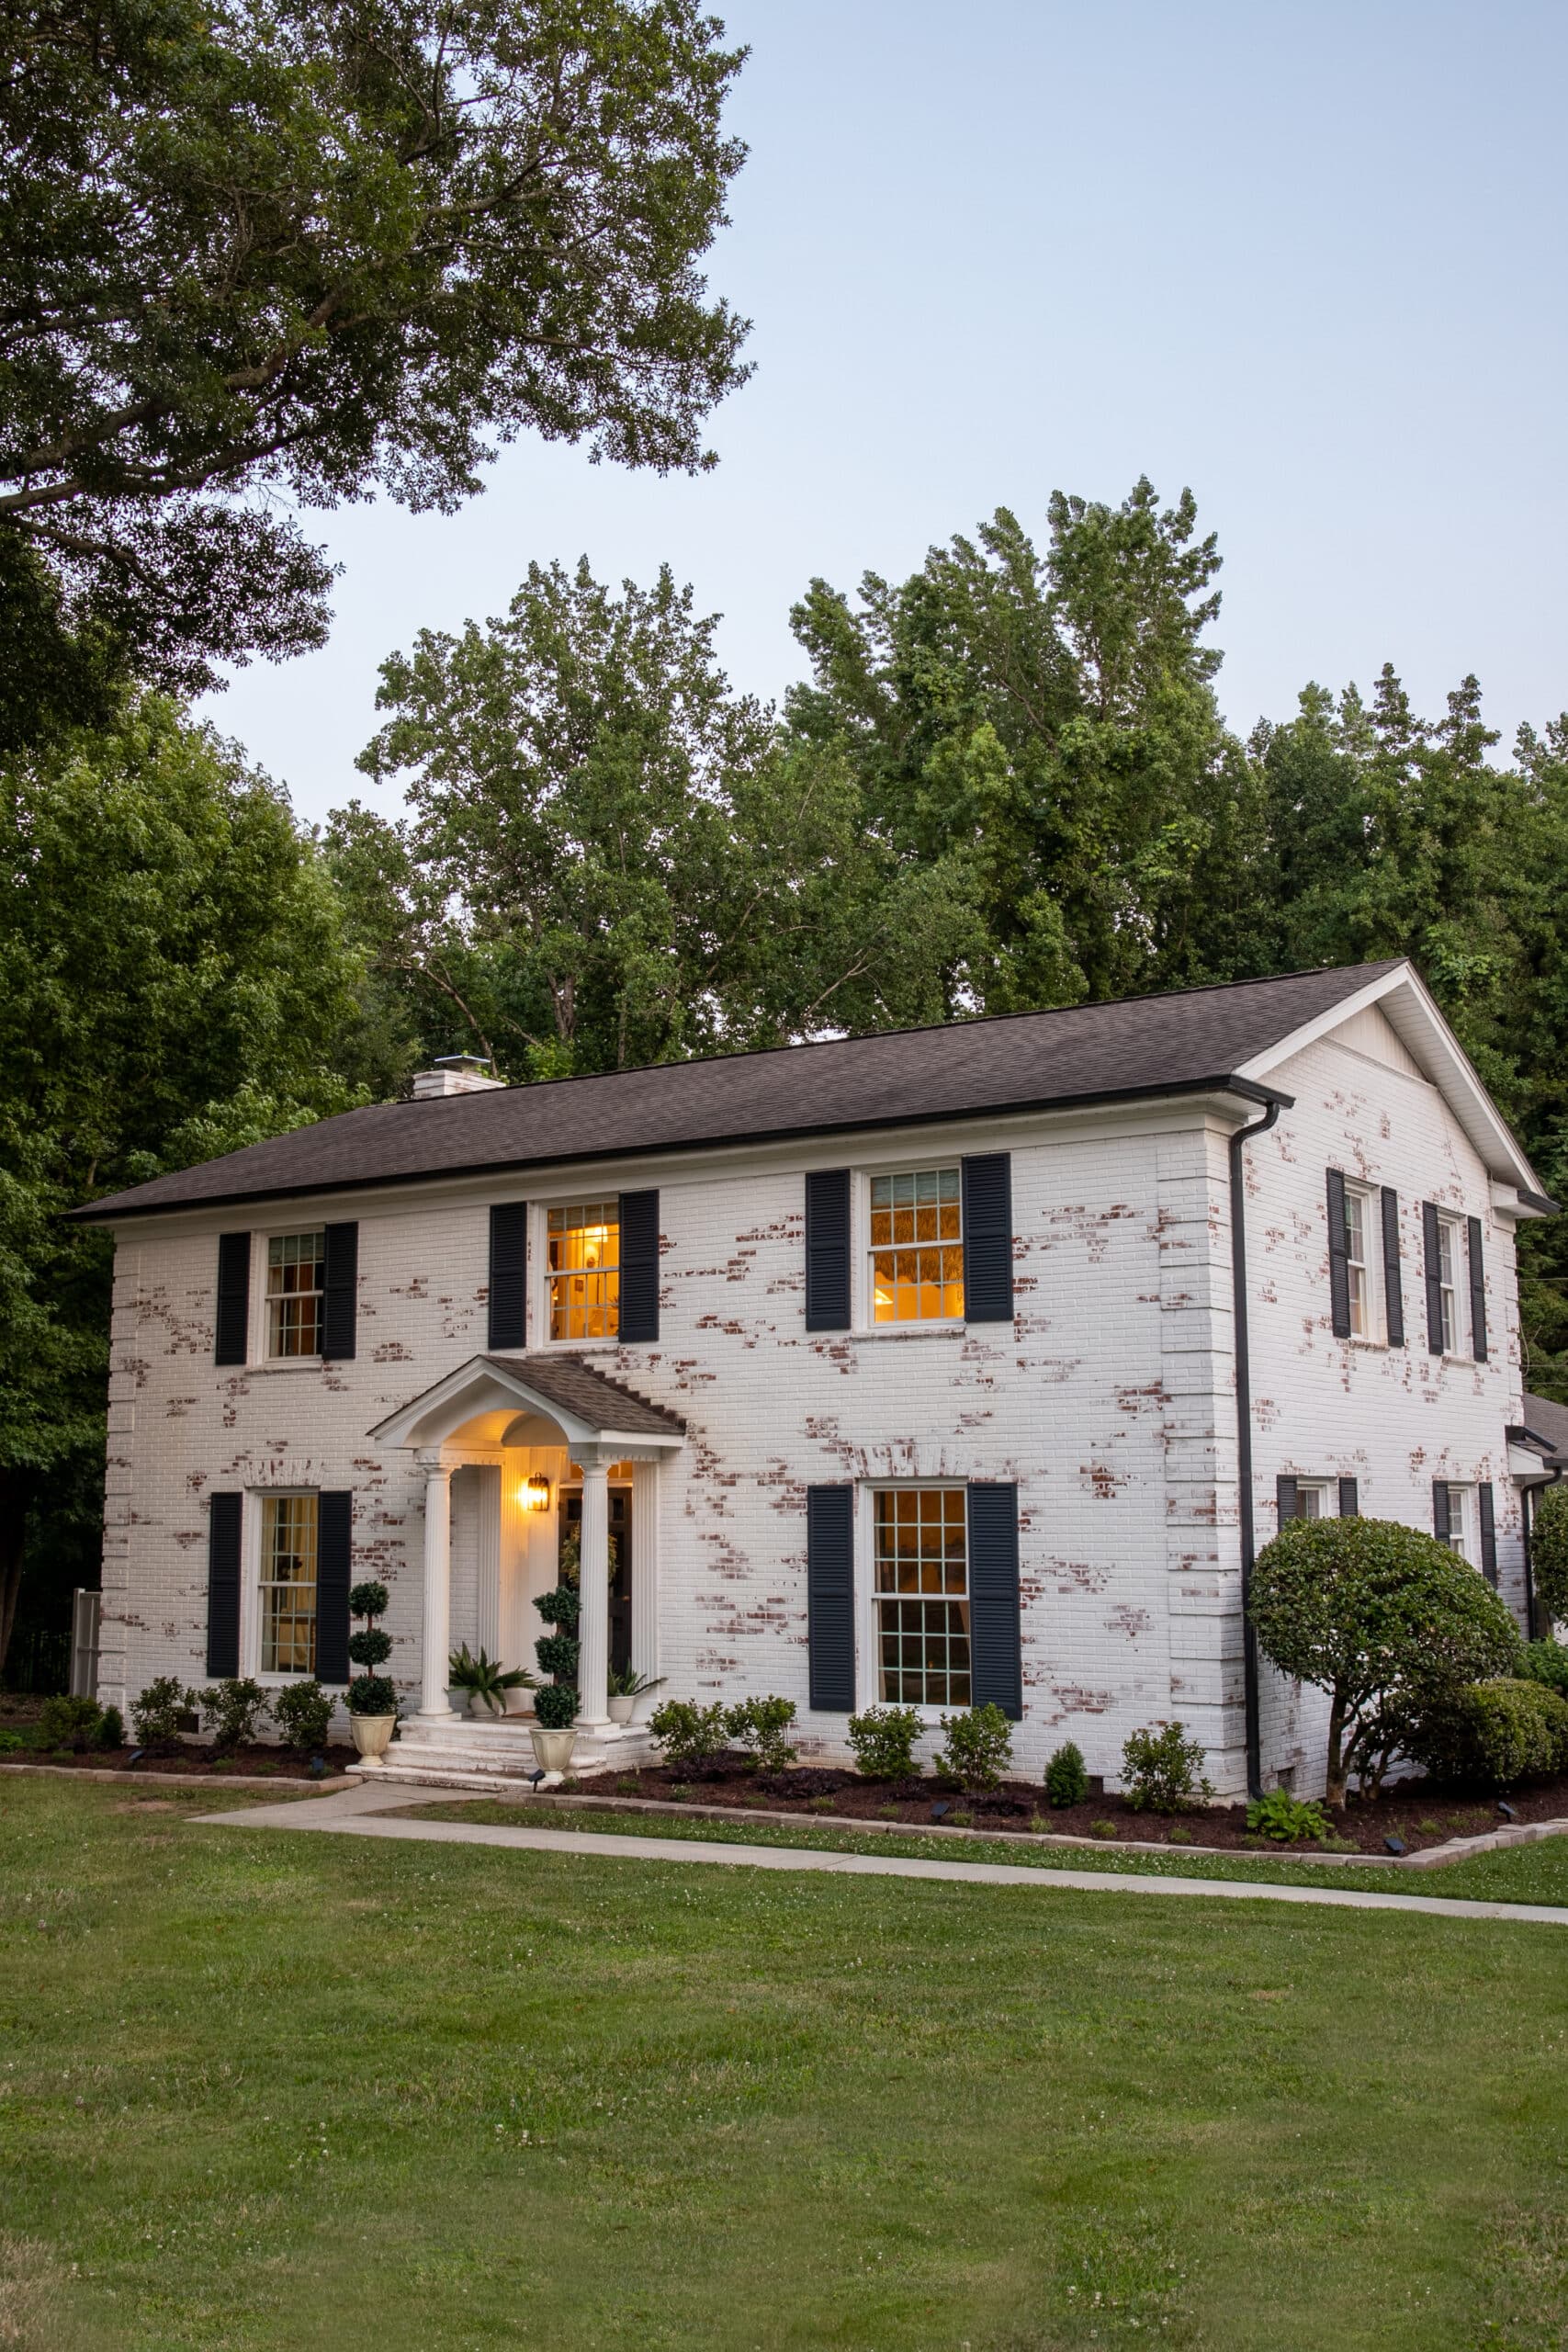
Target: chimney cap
456, 1074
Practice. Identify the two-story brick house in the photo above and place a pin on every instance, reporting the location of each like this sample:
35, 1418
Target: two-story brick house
942, 1366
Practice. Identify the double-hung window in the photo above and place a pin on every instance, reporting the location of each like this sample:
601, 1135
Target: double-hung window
296, 1282
582, 1270
291, 1525
1358, 1265
1311, 1498
922, 1596
1459, 1536
917, 1247
1448, 1283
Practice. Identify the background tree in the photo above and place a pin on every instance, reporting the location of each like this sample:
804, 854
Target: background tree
281, 246
174, 982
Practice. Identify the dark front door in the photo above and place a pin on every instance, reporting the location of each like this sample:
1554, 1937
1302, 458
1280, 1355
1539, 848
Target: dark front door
620, 1565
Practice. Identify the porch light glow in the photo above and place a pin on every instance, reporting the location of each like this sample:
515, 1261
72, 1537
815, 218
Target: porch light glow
537, 1492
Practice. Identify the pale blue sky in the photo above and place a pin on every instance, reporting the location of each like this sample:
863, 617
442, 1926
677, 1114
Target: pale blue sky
1307, 259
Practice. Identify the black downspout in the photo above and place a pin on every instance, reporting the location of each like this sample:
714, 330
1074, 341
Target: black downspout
1243, 1439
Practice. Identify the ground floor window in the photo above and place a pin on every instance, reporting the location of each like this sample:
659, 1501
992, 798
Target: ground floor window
289, 1527
1457, 1533
922, 1596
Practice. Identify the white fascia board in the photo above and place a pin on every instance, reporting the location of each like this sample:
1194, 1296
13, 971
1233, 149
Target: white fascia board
1412, 1013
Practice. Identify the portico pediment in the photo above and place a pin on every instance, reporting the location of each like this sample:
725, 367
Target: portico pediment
532, 1399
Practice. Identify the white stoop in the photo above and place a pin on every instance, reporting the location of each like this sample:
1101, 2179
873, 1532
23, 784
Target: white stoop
465, 1752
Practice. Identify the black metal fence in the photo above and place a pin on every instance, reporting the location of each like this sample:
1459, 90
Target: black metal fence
39, 1661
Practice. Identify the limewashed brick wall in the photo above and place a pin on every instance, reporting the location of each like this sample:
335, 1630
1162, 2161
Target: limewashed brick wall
1110, 1400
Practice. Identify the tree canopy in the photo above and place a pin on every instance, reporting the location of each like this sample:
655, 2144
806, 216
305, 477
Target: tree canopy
296, 251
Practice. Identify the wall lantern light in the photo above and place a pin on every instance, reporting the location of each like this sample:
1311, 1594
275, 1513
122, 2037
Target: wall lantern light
537, 1492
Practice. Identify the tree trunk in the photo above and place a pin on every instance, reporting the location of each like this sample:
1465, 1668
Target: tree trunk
1336, 1773
15, 1494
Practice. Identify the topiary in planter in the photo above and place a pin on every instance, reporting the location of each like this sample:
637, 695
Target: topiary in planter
557, 1654
370, 1693
555, 1706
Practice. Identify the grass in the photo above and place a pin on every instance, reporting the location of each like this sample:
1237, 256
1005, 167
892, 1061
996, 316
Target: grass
1534, 1874
266, 2090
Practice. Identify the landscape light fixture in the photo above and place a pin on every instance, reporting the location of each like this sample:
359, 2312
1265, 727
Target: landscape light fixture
1507, 1810
939, 1812
535, 1777
1395, 1846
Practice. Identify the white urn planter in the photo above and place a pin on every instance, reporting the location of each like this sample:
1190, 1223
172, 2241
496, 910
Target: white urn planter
518, 1702
372, 1737
621, 1709
485, 1709
552, 1749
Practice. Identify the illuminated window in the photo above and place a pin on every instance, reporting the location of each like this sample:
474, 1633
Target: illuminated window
584, 1271
296, 1278
922, 1596
917, 1247
288, 1584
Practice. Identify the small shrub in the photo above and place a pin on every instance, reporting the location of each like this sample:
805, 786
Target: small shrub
821, 1805
1066, 1782
232, 1709
978, 1747
762, 1725
1287, 1819
1494, 1734
303, 1714
11, 1743
1549, 1554
1162, 1770
371, 1694
960, 1819
882, 1742
681, 1790
627, 1784
689, 1735
1547, 1662
887, 1812
554, 1705
1177, 1836
1103, 1829
111, 1728
157, 1717
69, 1724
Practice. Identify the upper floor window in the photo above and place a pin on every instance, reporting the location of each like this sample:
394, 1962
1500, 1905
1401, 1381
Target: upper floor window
290, 1524
1357, 1266
1447, 1285
583, 1269
917, 1247
296, 1280
922, 1596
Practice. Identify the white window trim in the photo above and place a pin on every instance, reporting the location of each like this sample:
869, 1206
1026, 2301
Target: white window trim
260, 1326
1459, 1246
252, 1513
1464, 1538
1376, 1333
1329, 1490
537, 1309
861, 1319
868, 1649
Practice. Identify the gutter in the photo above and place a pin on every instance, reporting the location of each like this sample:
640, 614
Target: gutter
1238, 1143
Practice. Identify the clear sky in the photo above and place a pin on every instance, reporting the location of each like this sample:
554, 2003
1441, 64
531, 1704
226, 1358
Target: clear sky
1306, 258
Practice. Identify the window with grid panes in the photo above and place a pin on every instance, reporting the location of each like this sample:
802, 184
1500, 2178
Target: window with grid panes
295, 1279
584, 1262
1448, 1251
917, 1247
289, 1524
922, 1596
1358, 1272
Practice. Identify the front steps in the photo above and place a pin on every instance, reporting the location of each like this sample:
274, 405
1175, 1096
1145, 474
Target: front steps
471, 1752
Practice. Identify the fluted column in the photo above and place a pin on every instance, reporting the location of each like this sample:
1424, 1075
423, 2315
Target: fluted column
593, 1617
437, 1584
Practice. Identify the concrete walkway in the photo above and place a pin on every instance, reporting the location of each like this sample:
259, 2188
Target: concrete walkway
365, 1813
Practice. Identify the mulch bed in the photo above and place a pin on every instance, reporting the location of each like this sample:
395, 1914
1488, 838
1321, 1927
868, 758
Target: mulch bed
1418, 1812
191, 1759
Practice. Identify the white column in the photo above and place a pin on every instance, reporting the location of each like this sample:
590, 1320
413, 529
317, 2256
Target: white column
593, 1620
437, 1584
645, 1566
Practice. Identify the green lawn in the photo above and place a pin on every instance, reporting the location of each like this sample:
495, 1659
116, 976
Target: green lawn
266, 2090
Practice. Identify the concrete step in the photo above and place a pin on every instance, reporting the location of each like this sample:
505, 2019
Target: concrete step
466, 1752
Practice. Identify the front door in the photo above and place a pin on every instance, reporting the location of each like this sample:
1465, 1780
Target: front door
620, 1565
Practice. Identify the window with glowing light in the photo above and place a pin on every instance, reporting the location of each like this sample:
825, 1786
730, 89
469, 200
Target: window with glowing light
922, 1596
289, 1527
917, 1247
296, 1280
583, 1271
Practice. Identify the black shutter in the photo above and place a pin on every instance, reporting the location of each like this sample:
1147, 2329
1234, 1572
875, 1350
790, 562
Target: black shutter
223, 1584
639, 1267
1434, 1278
340, 1298
1488, 1532
1441, 1526
987, 1237
995, 1669
508, 1273
1339, 1258
1286, 1500
233, 1317
827, 1249
830, 1596
334, 1550
1477, 1292
1393, 1287
1349, 1499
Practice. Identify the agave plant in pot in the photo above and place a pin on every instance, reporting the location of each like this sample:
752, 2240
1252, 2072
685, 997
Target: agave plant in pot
626, 1687
371, 1698
556, 1703
485, 1681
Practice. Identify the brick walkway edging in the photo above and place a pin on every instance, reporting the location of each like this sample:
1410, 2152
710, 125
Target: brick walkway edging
273, 1782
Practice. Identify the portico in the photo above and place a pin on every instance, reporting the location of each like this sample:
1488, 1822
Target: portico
530, 1422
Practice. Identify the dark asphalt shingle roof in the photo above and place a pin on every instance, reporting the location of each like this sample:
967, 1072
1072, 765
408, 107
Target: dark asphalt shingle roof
1548, 1421
1088, 1053
579, 1387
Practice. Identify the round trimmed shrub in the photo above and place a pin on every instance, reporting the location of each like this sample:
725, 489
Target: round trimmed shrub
1549, 1554
554, 1705
1386, 1619
1493, 1733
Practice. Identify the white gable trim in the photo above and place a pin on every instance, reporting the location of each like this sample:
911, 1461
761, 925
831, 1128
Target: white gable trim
1412, 1013
482, 1386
